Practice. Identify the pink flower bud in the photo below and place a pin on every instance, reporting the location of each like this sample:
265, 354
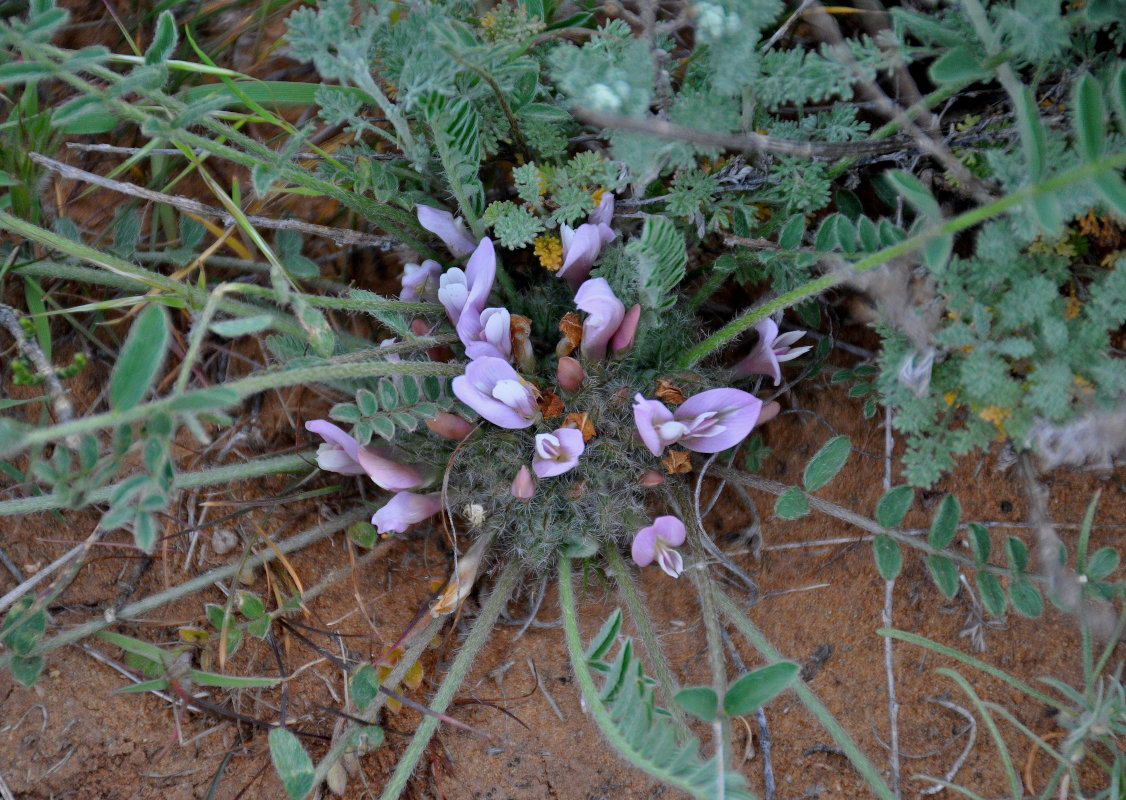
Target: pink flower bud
623, 337
522, 486
570, 374
449, 426
769, 411
651, 478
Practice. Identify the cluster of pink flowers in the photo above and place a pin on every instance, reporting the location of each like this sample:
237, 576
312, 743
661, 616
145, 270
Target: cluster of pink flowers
708, 422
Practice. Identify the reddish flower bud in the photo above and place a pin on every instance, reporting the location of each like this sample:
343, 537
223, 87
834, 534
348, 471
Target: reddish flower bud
449, 426
623, 337
570, 374
522, 486
651, 478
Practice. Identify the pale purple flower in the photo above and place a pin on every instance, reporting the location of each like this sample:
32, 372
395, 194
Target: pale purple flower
451, 231
487, 334
557, 452
581, 248
420, 282
404, 510
342, 453
492, 388
466, 292
604, 213
522, 486
707, 422
623, 337
657, 542
770, 351
604, 315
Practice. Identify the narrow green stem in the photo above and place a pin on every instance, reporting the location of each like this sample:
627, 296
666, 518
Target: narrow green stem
298, 462
640, 616
951, 226
466, 654
196, 584
865, 767
419, 641
122, 271
239, 390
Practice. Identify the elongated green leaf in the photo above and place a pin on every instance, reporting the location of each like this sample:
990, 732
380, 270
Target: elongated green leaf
1031, 133
1113, 191
945, 574
230, 328
958, 66
945, 523
660, 257
826, 463
756, 688
893, 506
1090, 117
1102, 563
1026, 597
1017, 552
231, 681
992, 595
163, 41
600, 645
140, 360
889, 559
135, 646
699, 701
155, 685
292, 763
979, 542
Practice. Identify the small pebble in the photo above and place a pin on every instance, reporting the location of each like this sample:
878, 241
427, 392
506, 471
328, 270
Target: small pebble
223, 541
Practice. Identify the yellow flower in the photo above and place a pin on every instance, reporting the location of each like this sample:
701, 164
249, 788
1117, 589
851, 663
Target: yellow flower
549, 250
996, 415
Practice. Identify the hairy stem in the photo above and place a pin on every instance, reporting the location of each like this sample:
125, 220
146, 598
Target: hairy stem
196, 584
640, 616
965, 220
865, 767
478, 635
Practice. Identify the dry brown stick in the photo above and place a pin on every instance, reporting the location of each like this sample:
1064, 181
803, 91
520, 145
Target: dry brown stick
741, 142
1062, 583
828, 29
339, 236
60, 403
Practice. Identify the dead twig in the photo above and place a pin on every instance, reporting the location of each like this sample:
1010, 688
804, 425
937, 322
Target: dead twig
339, 236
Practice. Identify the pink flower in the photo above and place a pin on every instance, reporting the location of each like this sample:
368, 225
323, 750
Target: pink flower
492, 388
451, 231
404, 510
522, 486
467, 292
658, 542
487, 334
569, 374
420, 282
581, 248
770, 351
707, 422
604, 214
342, 453
557, 452
604, 315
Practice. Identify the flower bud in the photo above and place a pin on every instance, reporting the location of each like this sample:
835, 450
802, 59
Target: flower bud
570, 375
449, 426
651, 478
442, 352
769, 411
522, 486
623, 337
